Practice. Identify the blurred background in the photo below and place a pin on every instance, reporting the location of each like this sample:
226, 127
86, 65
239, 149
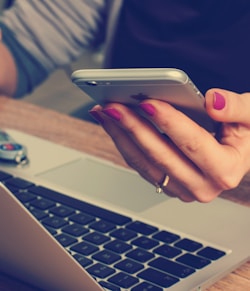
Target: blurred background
58, 92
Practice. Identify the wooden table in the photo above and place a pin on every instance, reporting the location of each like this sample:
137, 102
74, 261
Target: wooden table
88, 137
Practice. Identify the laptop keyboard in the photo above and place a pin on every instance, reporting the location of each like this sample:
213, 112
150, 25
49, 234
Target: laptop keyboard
119, 252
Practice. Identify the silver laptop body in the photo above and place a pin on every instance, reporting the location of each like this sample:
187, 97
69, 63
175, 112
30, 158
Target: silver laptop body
29, 252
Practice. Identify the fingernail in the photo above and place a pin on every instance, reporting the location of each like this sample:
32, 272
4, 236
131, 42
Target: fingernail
147, 108
219, 101
95, 114
113, 113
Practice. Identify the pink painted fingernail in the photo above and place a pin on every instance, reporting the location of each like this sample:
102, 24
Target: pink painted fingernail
95, 114
113, 113
219, 101
147, 108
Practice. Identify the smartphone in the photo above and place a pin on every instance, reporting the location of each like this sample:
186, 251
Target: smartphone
131, 86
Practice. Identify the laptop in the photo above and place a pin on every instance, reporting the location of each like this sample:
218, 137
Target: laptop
71, 221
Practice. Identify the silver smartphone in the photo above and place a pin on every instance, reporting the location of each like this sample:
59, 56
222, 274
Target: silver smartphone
131, 86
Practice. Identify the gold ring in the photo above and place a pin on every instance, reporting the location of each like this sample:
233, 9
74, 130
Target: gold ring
159, 186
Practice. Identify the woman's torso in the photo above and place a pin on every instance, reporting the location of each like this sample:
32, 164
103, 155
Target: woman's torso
207, 39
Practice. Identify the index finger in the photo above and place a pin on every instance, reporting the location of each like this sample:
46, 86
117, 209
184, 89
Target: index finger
194, 141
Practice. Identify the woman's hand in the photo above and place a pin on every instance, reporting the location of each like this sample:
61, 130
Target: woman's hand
199, 165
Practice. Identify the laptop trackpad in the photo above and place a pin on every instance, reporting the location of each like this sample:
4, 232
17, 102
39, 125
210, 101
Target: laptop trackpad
105, 183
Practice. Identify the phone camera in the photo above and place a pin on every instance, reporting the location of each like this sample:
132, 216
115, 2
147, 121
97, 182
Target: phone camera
92, 83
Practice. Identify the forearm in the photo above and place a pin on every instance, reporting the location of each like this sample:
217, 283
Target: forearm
43, 36
28, 71
8, 72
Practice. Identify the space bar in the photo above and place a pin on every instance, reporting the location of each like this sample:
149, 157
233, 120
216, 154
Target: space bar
80, 205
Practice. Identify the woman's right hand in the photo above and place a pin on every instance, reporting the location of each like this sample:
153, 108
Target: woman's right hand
200, 166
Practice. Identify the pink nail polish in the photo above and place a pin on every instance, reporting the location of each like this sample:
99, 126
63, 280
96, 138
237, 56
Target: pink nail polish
147, 108
113, 113
95, 114
219, 101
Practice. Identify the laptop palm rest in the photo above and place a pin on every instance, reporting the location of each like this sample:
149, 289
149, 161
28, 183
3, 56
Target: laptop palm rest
105, 183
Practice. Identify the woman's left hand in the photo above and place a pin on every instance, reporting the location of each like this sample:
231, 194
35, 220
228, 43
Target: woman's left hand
200, 166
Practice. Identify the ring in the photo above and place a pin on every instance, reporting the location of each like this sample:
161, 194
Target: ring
159, 186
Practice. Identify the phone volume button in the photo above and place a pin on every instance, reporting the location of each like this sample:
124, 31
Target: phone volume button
197, 91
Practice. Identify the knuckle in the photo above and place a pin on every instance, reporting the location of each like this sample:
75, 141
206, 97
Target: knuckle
204, 191
132, 162
210, 190
228, 182
191, 146
203, 195
207, 198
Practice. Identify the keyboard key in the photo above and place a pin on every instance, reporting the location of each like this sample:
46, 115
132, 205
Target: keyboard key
62, 211
4, 176
96, 238
188, 245
102, 226
123, 280
211, 253
193, 261
75, 230
123, 234
158, 278
54, 221
142, 227
83, 261
51, 230
42, 203
140, 255
39, 214
146, 286
145, 242
109, 286
82, 206
129, 266
100, 271
84, 248
19, 183
12, 189
167, 251
106, 257
65, 240
166, 236
82, 218
25, 196
118, 246
171, 267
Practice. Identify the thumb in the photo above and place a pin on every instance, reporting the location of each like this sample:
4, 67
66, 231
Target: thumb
227, 106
